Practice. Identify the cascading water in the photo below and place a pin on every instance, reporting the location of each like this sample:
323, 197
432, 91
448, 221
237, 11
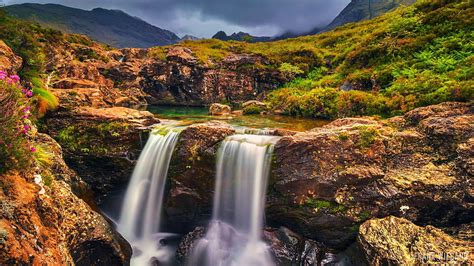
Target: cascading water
234, 234
141, 211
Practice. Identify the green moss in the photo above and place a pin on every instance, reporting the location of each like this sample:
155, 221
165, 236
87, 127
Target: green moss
343, 136
330, 206
367, 136
3, 236
91, 139
47, 178
365, 215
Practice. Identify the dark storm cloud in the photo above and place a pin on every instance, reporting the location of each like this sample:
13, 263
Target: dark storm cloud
205, 17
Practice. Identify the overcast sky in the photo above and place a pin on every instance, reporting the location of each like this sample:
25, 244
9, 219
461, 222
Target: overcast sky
203, 18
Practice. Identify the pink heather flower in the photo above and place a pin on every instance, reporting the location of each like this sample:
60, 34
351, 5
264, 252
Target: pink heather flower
29, 94
33, 149
15, 78
3, 75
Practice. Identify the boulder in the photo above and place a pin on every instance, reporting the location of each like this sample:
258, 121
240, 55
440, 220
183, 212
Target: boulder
324, 183
192, 174
397, 241
219, 109
101, 144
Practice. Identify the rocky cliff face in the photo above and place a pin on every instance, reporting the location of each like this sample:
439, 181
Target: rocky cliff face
93, 76
45, 219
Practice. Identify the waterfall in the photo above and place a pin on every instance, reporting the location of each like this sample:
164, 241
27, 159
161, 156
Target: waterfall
234, 234
141, 211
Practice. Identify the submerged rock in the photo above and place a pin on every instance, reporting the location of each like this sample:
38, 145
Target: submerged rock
397, 241
219, 109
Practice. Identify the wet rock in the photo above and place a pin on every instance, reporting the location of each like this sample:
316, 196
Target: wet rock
327, 181
187, 244
192, 175
56, 227
101, 144
397, 241
219, 109
9, 62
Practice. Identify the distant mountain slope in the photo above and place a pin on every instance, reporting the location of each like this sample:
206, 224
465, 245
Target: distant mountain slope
358, 10
114, 27
240, 36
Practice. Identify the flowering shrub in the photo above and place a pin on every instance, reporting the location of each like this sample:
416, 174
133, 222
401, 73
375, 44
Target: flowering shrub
15, 126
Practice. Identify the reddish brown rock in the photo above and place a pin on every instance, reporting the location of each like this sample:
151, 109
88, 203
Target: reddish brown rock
397, 241
9, 62
54, 226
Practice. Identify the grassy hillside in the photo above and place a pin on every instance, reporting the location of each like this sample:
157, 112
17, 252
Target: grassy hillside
415, 56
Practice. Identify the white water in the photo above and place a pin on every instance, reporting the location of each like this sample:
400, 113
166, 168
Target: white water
234, 235
141, 211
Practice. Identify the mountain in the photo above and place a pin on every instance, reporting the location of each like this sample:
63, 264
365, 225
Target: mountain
358, 10
240, 36
113, 27
190, 38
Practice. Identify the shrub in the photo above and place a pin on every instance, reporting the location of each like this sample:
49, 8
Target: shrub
290, 70
15, 147
253, 109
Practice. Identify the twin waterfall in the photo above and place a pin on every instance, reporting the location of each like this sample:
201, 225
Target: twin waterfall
234, 234
141, 211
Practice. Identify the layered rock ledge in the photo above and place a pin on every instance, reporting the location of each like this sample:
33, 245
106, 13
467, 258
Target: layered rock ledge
101, 144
